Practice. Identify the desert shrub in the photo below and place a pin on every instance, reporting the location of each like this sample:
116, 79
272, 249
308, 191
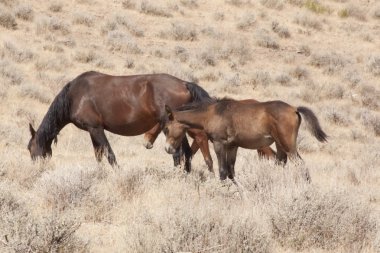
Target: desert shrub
119, 41
370, 97
330, 62
182, 31
192, 4
337, 116
181, 53
263, 39
208, 56
35, 92
56, 64
316, 6
219, 16
334, 91
376, 13
9, 3
236, 49
132, 27
85, 56
304, 49
23, 231
370, 121
352, 77
308, 21
353, 11
47, 24
300, 73
128, 4
373, 65
25, 12
282, 31
53, 48
273, 4
16, 53
312, 218
246, 21
238, 3
262, 78
283, 79
83, 19
55, 6
151, 8
8, 71
7, 20
110, 25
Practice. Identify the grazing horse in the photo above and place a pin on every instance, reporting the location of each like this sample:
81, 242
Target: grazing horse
201, 139
124, 105
231, 124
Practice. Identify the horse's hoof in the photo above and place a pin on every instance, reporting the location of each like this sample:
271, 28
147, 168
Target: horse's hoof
148, 145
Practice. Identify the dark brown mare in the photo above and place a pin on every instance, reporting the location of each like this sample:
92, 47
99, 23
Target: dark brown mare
201, 140
232, 124
124, 105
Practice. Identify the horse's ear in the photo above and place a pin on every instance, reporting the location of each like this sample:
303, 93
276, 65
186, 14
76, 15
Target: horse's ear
169, 112
32, 131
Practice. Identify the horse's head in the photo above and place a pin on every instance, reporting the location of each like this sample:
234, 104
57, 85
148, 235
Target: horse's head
173, 130
37, 151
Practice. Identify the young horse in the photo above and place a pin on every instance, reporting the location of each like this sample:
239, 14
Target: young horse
124, 105
201, 140
231, 124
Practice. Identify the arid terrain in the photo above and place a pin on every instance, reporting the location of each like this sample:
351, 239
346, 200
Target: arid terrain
321, 54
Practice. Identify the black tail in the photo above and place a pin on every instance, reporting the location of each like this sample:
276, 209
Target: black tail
198, 94
313, 123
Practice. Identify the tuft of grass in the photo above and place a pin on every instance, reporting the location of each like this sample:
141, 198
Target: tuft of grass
282, 31
35, 92
10, 73
152, 8
85, 56
300, 73
376, 13
353, 11
373, 65
304, 49
330, 62
337, 116
81, 18
181, 31
132, 27
238, 3
7, 20
370, 97
283, 79
56, 6
313, 219
316, 7
128, 4
55, 25
246, 21
24, 12
308, 21
181, 53
119, 41
263, 39
16, 53
192, 4
55, 64
273, 4
207, 57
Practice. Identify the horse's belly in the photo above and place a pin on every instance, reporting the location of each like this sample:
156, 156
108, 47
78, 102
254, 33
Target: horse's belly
131, 128
256, 143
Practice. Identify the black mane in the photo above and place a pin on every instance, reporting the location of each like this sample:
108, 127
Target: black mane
55, 119
202, 105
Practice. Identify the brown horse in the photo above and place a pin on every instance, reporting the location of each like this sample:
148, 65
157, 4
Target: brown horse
124, 105
201, 140
231, 124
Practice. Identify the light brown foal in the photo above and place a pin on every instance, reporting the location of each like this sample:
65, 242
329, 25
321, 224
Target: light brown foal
232, 124
201, 141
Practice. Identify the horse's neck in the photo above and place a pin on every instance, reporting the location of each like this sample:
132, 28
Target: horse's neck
49, 129
194, 119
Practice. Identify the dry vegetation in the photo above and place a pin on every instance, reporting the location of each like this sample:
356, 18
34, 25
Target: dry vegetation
321, 54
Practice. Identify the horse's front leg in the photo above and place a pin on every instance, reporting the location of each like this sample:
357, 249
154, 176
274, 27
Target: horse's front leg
151, 136
231, 159
201, 142
101, 145
221, 154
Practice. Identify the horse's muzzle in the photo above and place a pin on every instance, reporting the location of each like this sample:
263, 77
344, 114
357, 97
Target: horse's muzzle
169, 149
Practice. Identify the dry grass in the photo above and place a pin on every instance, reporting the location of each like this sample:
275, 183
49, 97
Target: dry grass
24, 12
7, 20
353, 11
297, 51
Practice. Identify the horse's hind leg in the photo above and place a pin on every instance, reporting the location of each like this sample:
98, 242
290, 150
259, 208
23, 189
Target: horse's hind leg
101, 145
151, 136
